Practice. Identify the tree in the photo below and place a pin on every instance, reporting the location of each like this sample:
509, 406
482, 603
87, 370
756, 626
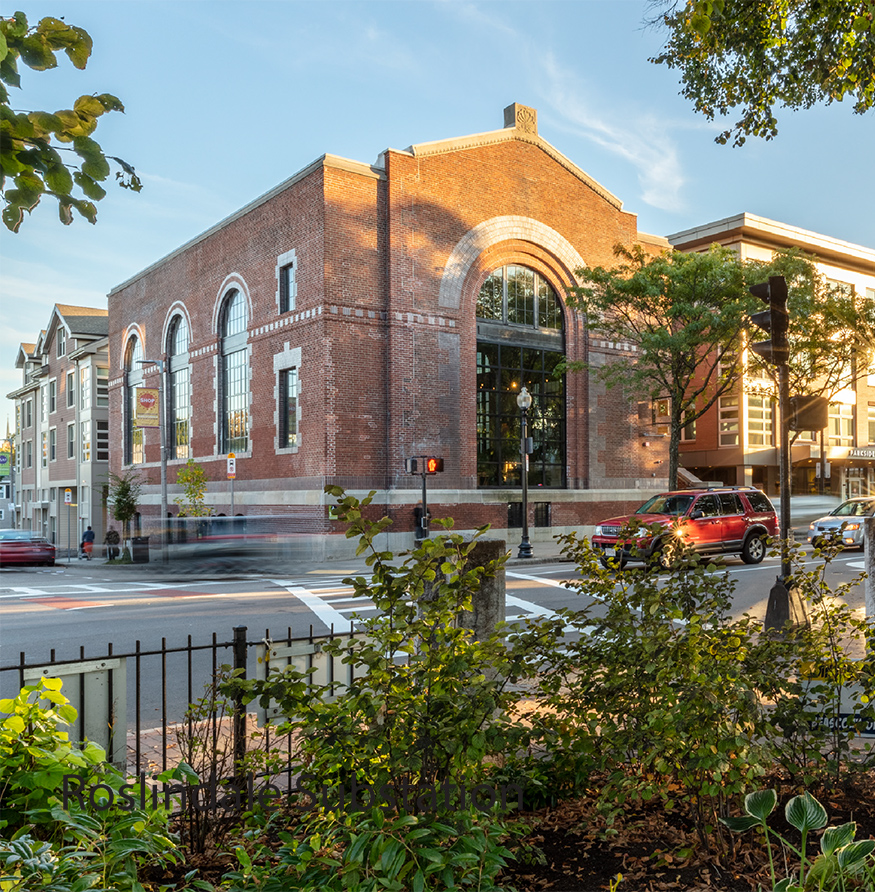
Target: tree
832, 330
755, 54
31, 165
193, 480
684, 314
123, 497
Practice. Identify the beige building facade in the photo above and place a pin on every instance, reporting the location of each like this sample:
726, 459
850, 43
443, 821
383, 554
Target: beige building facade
736, 442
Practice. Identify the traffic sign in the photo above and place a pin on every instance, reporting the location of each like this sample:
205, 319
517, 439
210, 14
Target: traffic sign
68, 496
232, 466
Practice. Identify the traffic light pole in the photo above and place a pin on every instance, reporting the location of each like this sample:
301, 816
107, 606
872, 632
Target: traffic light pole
784, 469
424, 519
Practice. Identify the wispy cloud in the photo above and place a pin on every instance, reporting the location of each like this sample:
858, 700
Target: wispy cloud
644, 140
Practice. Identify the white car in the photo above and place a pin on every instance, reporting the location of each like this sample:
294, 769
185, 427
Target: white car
844, 523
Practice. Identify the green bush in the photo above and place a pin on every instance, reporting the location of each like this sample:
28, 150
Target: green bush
44, 845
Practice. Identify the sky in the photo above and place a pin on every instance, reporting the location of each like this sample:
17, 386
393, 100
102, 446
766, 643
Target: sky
224, 100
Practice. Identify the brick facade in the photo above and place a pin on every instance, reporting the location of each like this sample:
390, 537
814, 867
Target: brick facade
389, 259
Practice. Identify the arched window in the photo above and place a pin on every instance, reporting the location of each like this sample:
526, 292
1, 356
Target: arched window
519, 344
234, 382
134, 452
178, 389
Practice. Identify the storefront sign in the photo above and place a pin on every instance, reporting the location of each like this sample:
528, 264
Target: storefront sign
862, 453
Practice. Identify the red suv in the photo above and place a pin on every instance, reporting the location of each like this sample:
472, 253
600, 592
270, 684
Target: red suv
731, 520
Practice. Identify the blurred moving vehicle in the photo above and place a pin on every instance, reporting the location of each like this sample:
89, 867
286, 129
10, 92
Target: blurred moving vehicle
731, 520
843, 524
25, 547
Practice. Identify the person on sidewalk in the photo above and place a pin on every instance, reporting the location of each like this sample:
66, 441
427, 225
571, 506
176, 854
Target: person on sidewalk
88, 543
111, 541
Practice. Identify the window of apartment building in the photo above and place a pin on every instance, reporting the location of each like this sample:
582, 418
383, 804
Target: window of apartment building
841, 424
286, 268
729, 420
44, 403
28, 412
53, 444
102, 382
85, 432
62, 341
844, 288
759, 421
871, 409
520, 343
688, 431
44, 448
53, 396
179, 389
71, 441
235, 374
84, 507
28, 454
102, 441
288, 414
71, 390
134, 451
85, 387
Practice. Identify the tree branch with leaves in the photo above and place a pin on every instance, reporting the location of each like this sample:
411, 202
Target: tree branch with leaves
755, 54
683, 313
32, 142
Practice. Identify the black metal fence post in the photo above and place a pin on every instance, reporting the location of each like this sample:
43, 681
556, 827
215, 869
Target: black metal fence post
239, 722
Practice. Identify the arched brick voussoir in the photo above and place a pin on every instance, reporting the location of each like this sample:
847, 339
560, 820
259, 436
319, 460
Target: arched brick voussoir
492, 232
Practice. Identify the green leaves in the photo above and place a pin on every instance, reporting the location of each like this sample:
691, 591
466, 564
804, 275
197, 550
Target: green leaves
28, 139
805, 813
753, 57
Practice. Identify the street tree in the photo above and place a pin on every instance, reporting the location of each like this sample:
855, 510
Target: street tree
831, 333
52, 154
123, 500
193, 480
754, 55
684, 315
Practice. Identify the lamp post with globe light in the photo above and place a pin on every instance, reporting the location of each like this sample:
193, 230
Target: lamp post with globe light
524, 401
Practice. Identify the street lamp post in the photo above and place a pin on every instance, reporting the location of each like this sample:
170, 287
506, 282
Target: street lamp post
163, 439
524, 401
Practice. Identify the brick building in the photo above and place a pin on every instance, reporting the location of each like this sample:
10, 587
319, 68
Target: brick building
62, 427
736, 441
357, 315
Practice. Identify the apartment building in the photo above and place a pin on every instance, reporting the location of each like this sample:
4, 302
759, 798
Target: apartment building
62, 427
736, 441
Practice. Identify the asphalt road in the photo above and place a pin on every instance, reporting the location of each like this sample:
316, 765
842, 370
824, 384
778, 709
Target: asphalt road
80, 613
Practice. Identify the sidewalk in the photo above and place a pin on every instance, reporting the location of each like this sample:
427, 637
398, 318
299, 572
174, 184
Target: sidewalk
803, 509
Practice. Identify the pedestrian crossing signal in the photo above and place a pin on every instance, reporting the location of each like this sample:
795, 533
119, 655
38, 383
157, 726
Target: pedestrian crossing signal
434, 465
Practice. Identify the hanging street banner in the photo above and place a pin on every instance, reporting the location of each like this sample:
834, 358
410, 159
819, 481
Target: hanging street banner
5, 463
146, 411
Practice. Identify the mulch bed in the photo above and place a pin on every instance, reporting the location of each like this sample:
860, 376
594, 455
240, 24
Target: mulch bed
569, 848
654, 850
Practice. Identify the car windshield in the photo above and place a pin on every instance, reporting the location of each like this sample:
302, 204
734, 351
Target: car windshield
12, 535
854, 509
674, 505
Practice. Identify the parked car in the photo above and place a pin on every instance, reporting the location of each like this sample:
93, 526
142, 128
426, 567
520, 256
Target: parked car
731, 520
844, 524
25, 547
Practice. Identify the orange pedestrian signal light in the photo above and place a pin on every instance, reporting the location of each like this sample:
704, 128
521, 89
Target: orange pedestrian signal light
434, 465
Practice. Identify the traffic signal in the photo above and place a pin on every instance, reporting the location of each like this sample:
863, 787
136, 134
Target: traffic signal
775, 320
411, 465
434, 465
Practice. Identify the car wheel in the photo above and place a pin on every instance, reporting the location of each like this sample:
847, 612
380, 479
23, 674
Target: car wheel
754, 549
614, 563
659, 559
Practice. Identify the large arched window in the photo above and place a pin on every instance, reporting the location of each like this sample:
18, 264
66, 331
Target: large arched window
234, 374
519, 343
134, 452
178, 389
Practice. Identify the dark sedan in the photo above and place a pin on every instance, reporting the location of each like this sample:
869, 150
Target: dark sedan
25, 547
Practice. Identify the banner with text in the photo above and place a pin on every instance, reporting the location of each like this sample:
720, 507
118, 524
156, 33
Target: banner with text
146, 412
